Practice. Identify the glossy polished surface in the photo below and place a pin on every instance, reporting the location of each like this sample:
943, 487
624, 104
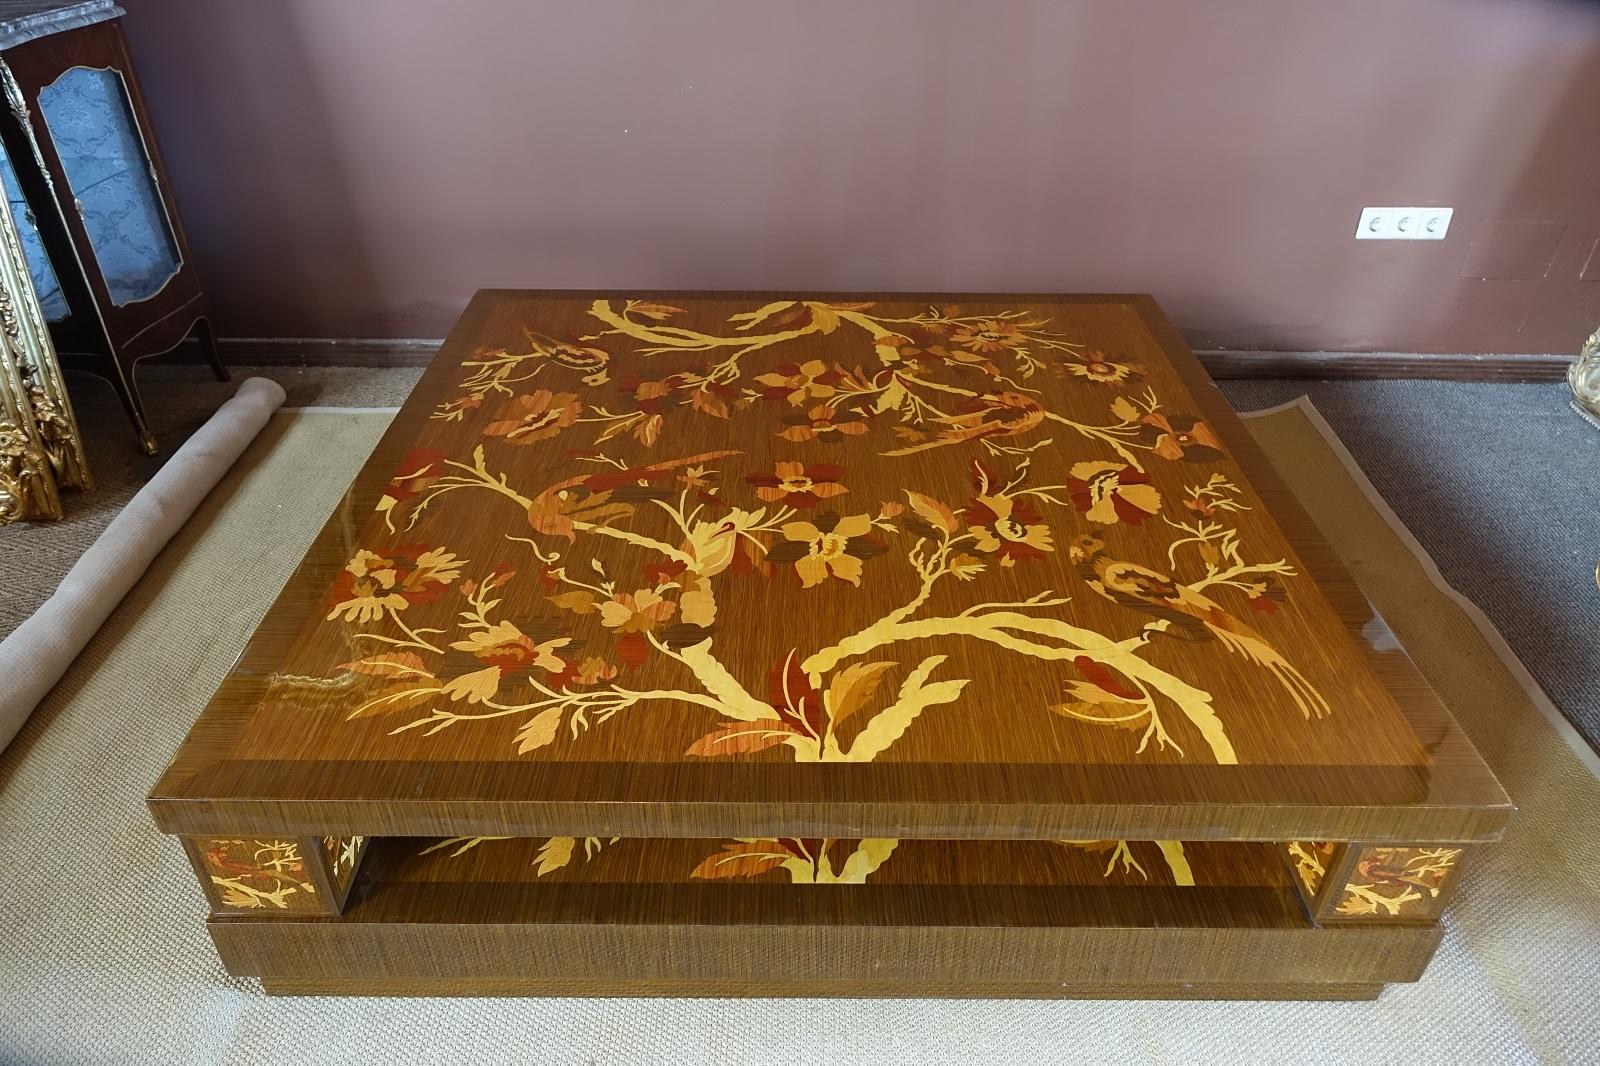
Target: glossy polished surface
677, 564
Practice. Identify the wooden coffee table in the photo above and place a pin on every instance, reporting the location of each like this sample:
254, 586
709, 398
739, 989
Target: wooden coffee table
882, 644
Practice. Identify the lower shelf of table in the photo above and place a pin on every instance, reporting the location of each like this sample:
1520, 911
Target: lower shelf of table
845, 918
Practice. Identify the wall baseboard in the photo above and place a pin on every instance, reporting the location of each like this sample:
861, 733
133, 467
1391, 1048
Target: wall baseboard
1463, 367
1222, 363
320, 351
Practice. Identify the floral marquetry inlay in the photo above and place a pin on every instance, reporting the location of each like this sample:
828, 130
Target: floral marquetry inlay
343, 854
1311, 859
250, 874
1391, 882
824, 531
830, 861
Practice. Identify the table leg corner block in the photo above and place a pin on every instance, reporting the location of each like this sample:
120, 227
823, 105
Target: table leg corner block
1360, 883
275, 876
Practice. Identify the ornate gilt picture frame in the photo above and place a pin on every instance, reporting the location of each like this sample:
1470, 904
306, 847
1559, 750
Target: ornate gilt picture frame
41, 451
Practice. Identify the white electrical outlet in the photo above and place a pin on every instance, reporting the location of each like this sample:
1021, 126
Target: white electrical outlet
1377, 224
1433, 223
1403, 223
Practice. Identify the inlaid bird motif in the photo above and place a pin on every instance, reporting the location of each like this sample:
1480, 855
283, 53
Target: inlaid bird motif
1188, 614
592, 363
1003, 414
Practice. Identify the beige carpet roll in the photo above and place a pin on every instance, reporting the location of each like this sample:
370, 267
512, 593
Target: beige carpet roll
38, 652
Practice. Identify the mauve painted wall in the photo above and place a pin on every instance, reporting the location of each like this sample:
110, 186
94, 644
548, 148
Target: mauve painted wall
350, 168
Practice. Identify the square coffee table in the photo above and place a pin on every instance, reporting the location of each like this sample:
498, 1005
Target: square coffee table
869, 644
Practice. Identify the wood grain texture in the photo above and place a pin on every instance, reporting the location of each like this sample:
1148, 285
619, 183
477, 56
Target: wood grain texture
597, 466
963, 918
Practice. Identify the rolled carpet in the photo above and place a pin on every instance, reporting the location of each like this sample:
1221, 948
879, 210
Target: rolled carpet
38, 652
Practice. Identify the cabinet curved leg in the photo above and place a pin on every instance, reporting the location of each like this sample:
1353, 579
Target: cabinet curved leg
208, 344
128, 392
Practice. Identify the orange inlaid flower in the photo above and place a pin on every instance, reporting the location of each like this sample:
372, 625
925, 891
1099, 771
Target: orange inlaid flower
1109, 492
633, 615
416, 472
830, 546
825, 423
1097, 366
1182, 437
1009, 527
506, 646
532, 416
637, 612
371, 584
798, 485
559, 510
990, 334
593, 670
800, 382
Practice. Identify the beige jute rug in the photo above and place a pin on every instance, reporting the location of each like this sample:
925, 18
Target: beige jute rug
104, 956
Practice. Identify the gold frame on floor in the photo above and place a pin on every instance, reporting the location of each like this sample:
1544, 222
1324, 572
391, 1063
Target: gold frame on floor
1584, 376
41, 451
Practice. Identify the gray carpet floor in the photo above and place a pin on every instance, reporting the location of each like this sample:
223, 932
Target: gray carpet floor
1500, 482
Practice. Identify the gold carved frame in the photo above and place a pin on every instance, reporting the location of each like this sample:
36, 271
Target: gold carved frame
41, 451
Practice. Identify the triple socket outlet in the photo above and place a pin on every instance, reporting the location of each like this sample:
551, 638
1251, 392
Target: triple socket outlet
1403, 223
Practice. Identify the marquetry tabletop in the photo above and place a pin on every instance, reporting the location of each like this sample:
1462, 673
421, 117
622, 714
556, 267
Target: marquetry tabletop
868, 565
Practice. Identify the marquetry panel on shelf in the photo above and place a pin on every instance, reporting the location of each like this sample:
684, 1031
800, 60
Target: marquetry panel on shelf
276, 875
1365, 883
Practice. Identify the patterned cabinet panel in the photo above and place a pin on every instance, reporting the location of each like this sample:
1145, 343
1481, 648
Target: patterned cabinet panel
104, 156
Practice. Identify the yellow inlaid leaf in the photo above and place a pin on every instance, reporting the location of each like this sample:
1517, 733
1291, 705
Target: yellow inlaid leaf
553, 854
868, 856
852, 687
580, 601
697, 606
742, 859
539, 730
741, 737
935, 512
915, 695
474, 687
760, 314
390, 664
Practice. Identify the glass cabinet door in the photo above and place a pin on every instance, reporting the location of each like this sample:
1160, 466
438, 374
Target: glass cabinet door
92, 126
45, 286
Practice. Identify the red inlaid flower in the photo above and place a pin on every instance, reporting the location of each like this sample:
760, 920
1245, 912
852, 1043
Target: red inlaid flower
534, 416
1009, 527
1109, 492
